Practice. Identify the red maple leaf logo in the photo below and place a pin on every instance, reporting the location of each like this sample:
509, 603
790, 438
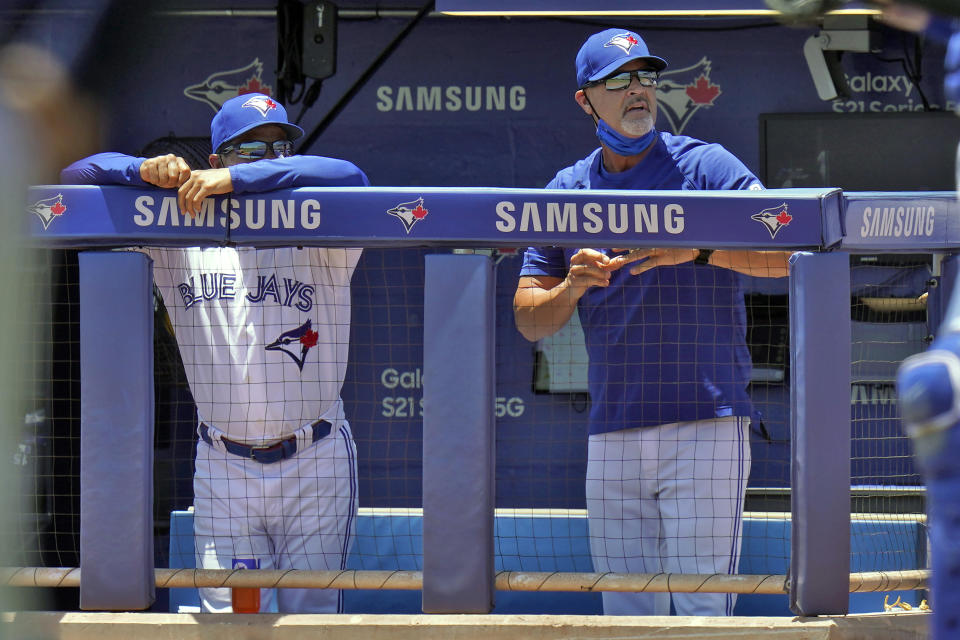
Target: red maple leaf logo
783, 217
254, 86
309, 339
419, 213
632, 40
702, 92
58, 209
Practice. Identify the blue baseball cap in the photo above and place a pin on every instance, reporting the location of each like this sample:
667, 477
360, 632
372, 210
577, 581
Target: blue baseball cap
247, 111
605, 52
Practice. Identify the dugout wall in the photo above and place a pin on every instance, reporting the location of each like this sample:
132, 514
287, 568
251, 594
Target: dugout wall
117, 219
508, 98
485, 216
507, 95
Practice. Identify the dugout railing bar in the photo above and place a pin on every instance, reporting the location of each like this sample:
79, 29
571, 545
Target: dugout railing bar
117, 410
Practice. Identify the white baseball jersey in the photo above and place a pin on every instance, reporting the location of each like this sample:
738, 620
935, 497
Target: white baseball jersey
263, 333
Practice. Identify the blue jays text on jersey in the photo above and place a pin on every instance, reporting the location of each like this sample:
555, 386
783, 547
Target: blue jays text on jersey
591, 217
217, 286
250, 213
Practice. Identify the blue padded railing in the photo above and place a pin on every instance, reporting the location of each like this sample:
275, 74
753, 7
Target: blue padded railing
97, 218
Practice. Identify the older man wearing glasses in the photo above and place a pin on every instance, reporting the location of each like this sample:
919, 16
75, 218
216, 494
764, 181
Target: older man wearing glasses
263, 334
669, 446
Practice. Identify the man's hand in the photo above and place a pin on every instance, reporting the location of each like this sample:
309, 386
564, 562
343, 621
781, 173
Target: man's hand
200, 185
588, 268
652, 258
167, 171
543, 304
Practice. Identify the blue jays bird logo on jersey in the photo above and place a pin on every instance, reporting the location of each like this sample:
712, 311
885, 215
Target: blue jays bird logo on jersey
48, 209
220, 86
774, 218
625, 41
303, 336
683, 92
409, 213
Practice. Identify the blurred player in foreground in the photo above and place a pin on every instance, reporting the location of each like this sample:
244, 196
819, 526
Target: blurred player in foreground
669, 445
928, 384
34, 86
263, 334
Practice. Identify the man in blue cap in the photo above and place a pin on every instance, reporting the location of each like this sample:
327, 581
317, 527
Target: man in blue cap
669, 446
250, 127
263, 334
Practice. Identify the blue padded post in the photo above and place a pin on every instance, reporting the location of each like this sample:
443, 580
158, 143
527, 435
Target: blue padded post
458, 434
820, 430
116, 431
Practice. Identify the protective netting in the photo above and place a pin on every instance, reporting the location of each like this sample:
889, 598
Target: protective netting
542, 408
44, 458
890, 322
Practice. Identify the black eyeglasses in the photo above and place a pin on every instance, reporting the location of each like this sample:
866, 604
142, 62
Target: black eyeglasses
257, 149
622, 80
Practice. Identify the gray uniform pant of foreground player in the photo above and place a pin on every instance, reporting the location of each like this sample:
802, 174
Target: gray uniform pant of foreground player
668, 499
298, 513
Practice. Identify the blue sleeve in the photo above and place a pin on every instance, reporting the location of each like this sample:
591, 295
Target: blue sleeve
552, 261
295, 171
105, 168
549, 261
719, 169
576, 176
544, 261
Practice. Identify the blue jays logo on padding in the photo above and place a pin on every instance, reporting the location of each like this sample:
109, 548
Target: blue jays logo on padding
303, 336
220, 86
409, 213
774, 218
48, 209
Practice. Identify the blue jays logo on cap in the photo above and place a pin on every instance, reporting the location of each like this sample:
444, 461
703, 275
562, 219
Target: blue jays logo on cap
303, 336
261, 103
625, 41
